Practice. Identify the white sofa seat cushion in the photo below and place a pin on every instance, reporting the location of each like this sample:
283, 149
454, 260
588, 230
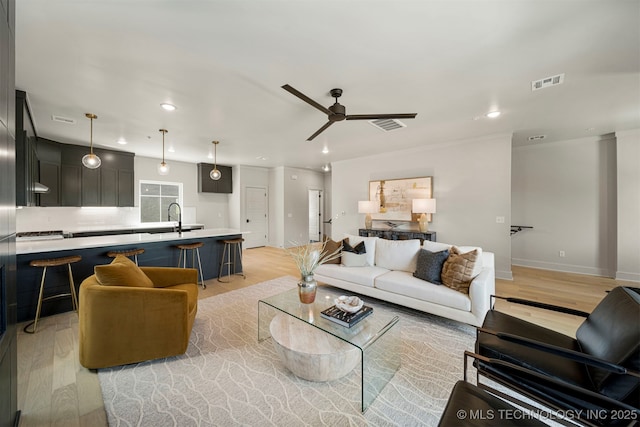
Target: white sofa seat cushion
364, 276
403, 283
397, 254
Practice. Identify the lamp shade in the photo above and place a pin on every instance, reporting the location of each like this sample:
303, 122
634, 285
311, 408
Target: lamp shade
423, 205
367, 206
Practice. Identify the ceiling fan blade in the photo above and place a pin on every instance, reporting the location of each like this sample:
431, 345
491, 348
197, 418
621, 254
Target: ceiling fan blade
306, 99
319, 131
381, 116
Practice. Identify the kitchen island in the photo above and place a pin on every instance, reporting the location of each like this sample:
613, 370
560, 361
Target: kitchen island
160, 251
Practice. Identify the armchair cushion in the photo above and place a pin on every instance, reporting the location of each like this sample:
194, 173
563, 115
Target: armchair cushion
122, 272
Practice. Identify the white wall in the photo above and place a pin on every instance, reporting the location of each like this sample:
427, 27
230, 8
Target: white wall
628, 202
276, 207
211, 209
567, 192
471, 183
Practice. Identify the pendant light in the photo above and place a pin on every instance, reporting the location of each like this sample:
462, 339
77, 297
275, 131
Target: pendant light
215, 174
163, 168
91, 161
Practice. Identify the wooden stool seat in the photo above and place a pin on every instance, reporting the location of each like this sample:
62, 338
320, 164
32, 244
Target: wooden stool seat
127, 252
191, 245
53, 262
235, 246
184, 247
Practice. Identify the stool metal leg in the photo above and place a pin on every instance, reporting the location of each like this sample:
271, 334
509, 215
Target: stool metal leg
222, 263
74, 297
199, 266
39, 307
239, 250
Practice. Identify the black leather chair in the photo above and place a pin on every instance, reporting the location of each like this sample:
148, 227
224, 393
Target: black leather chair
595, 375
470, 405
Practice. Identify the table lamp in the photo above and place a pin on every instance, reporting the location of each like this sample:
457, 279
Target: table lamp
423, 207
368, 207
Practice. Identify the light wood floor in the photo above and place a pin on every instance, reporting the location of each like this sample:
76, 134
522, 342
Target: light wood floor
53, 389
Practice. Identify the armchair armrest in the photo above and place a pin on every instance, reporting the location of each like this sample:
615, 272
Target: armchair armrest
169, 276
541, 305
562, 352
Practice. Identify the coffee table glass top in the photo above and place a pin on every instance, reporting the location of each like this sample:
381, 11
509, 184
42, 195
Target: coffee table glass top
376, 336
359, 334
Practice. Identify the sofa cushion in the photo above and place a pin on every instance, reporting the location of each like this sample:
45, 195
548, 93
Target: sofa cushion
457, 271
397, 254
429, 265
122, 272
329, 248
362, 276
435, 246
369, 243
350, 259
403, 283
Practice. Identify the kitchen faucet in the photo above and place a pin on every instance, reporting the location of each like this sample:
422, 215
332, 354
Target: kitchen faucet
179, 215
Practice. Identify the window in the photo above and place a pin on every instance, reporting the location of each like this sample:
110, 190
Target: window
155, 198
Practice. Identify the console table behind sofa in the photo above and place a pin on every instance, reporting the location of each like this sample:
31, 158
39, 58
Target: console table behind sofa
391, 234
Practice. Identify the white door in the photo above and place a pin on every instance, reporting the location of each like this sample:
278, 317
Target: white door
315, 215
256, 217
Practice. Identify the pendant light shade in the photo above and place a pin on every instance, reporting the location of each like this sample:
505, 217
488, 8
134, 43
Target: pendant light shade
215, 174
163, 168
91, 161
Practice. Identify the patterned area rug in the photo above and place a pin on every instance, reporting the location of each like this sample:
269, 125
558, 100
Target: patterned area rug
228, 378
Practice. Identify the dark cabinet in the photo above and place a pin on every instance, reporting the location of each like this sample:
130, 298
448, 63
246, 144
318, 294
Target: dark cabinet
26, 161
126, 187
49, 161
207, 185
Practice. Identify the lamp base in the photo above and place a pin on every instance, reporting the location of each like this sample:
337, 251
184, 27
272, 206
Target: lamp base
423, 224
368, 222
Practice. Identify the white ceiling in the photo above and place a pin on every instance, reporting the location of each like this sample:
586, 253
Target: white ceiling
222, 63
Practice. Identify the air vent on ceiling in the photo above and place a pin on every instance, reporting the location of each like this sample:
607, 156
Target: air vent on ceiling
537, 137
387, 124
64, 120
547, 81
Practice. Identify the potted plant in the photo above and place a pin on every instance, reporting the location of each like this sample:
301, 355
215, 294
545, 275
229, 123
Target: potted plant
307, 258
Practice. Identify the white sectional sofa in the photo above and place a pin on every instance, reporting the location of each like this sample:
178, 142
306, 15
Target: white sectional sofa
388, 276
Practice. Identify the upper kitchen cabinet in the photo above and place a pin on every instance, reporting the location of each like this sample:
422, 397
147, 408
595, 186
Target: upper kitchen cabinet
208, 185
27, 173
71, 184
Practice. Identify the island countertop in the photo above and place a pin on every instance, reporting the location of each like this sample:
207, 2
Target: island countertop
40, 246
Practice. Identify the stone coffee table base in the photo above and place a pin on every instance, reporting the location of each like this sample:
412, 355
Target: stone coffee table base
310, 353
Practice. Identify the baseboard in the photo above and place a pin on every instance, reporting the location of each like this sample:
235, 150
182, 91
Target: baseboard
631, 277
566, 268
504, 275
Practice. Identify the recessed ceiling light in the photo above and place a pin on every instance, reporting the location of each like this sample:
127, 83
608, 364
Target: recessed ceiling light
325, 150
261, 158
171, 150
493, 114
168, 107
122, 141
326, 168
210, 156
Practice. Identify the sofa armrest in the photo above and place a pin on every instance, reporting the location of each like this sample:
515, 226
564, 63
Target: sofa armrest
119, 324
480, 291
169, 276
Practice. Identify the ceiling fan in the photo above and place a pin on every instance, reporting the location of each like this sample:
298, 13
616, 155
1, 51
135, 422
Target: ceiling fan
337, 112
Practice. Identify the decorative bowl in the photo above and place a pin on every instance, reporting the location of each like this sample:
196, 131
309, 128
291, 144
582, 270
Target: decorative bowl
348, 304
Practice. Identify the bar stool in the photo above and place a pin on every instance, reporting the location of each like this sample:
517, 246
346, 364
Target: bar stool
191, 247
128, 253
235, 246
68, 260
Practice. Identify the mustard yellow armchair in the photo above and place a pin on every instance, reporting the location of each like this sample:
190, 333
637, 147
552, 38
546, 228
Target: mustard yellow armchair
128, 314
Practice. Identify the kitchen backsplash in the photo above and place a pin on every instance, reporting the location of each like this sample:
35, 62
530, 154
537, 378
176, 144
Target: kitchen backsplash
74, 218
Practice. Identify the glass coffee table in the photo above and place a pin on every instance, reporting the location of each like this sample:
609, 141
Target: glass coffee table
318, 349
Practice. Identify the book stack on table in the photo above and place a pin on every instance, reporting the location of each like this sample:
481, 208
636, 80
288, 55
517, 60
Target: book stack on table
343, 318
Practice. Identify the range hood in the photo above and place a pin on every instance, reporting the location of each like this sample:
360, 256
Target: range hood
39, 188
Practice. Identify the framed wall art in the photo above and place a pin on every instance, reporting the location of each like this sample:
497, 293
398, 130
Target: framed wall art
394, 197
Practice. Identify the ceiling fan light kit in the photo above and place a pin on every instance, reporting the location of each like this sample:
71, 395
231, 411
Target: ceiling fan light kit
337, 112
91, 161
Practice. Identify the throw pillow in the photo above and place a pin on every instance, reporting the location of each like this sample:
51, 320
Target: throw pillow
399, 255
329, 248
122, 272
457, 271
350, 259
359, 249
429, 265
369, 243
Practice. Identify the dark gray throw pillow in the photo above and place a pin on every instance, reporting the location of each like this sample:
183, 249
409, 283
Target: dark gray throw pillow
357, 249
429, 265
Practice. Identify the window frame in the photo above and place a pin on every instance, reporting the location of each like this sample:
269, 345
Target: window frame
160, 183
